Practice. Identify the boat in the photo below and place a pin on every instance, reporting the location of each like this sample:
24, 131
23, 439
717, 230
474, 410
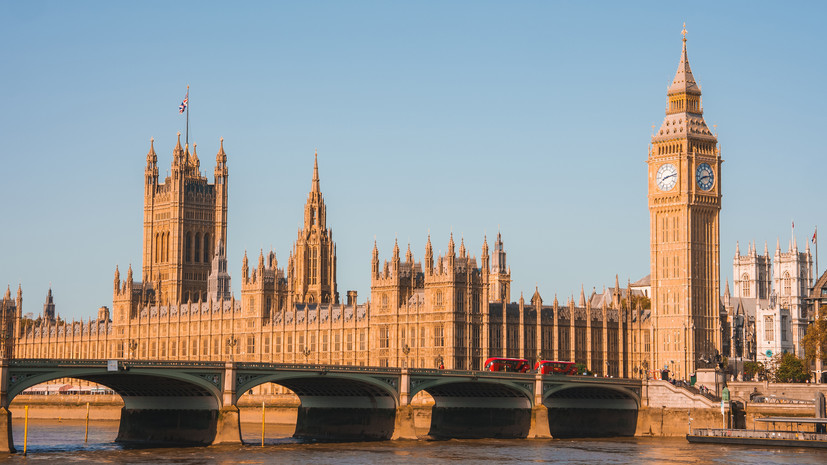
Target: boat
791, 436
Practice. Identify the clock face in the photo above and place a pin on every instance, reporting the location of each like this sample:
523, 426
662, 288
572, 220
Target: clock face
667, 177
704, 176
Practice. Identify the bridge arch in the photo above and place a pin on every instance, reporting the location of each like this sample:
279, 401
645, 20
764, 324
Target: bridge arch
334, 405
473, 406
590, 409
162, 404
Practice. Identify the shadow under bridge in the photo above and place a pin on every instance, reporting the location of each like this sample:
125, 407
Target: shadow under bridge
470, 405
338, 403
592, 407
163, 403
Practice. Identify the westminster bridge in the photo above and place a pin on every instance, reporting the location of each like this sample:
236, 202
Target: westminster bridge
192, 402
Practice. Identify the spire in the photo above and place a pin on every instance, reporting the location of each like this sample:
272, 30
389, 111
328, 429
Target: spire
485, 246
8, 293
151, 157
395, 250
451, 245
315, 187
582, 297
726, 289
409, 254
462, 247
221, 157
737, 249
766, 251
777, 245
684, 81
375, 251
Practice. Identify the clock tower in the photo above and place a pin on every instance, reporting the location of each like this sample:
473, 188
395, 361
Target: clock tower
684, 206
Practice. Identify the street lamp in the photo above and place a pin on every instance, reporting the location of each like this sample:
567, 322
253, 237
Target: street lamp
231, 343
439, 362
133, 344
406, 350
306, 353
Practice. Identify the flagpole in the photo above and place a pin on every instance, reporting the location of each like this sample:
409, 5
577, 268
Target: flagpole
188, 116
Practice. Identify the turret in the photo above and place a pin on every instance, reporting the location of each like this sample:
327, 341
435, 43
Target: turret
429, 256
374, 262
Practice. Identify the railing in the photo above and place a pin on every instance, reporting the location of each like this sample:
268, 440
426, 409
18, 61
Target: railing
759, 434
694, 390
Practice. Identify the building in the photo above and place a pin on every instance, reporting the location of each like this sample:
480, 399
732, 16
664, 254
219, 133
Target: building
452, 310
684, 205
768, 311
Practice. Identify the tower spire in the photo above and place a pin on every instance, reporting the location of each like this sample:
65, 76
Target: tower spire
315, 187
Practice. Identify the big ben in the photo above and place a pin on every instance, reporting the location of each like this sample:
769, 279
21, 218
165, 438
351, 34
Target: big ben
684, 206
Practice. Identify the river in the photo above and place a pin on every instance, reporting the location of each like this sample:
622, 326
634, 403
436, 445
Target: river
52, 441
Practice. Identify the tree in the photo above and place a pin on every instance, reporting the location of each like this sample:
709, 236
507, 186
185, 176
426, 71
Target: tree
753, 368
791, 369
581, 369
815, 341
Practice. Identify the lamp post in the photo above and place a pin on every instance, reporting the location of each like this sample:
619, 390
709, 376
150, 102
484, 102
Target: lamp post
306, 353
231, 343
406, 350
439, 362
133, 344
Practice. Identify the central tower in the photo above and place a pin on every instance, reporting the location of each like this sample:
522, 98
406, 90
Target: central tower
312, 266
684, 205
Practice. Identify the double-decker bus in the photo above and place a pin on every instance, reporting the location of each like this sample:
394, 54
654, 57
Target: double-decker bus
547, 367
514, 365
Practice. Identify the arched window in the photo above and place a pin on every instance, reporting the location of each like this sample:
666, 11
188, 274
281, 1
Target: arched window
438, 298
745, 285
165, 246
769, 331
197, 247
157, 247
207, 246
787, 283
188, 248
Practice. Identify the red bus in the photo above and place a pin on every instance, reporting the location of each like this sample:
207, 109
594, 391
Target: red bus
547, 367
514, 365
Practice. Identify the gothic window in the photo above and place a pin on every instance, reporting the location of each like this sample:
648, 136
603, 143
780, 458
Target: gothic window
439, 339
769, 333
349, 341
337, 342
460, 300
385, 300
215, 346
207, 245
197, 247
324, 342
745, 285
266, 345
439, 298
157, 247
314, 263
188, 248
421, 337
251, 344
784, 328
383, 337
205, 347
290, 343
278, 344
361, 340
312, 338
787, 283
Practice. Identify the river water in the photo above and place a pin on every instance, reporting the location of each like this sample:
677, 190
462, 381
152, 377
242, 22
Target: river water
62, 442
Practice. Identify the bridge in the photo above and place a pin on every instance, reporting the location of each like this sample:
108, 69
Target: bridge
195, 402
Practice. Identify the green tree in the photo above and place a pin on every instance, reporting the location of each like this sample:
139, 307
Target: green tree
581, 369
753, 368
791, 369
815, 341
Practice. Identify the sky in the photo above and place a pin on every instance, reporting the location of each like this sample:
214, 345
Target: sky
528, 118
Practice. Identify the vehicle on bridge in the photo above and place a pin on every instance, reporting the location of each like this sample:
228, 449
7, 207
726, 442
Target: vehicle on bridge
513, 365
548, 367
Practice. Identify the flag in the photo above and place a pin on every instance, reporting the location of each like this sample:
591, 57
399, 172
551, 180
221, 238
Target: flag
183, 105
814, 236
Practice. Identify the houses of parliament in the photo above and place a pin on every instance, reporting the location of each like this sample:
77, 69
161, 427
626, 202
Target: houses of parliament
452, 310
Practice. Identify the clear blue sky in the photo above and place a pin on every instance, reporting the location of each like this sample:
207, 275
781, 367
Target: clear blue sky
530, 117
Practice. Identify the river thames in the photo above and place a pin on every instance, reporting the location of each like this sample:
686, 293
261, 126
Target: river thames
62, 442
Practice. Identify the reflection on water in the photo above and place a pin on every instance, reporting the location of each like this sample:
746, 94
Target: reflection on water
62, 442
